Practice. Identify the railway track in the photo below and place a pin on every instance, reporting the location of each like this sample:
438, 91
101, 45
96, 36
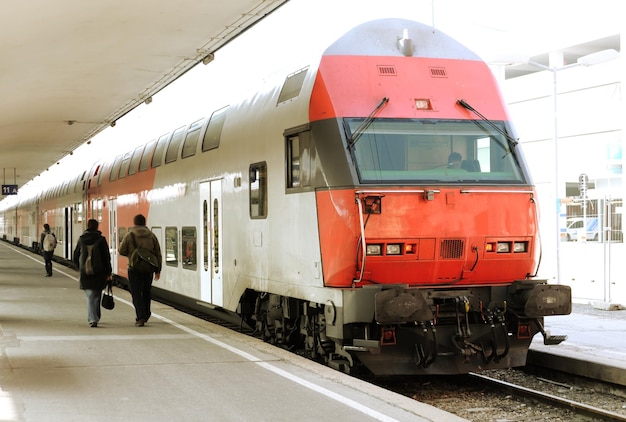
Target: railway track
557, 401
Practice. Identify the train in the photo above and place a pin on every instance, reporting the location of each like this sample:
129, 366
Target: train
373, 208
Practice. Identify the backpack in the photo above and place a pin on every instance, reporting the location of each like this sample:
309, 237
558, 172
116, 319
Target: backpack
49, 242
92, 261
141, 259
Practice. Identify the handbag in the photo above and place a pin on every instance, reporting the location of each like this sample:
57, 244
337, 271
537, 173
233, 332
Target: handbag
107, 298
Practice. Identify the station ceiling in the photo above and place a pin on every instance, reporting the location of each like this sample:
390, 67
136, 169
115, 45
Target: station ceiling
69, 69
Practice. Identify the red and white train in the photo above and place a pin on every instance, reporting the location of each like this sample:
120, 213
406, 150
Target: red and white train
327, 210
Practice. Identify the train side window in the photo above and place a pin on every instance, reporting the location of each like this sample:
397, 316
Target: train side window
298, 160
191, 140
106, 166
121, 232
213, 132
258, 190
124, 166
189, 243
157, 157
116, 168
144, 164
292, 85
95, 170
78, 212
171, 246
172, 150
134, 161
96, 209
74, 184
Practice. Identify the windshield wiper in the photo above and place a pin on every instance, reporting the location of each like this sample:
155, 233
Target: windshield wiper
512, 142
367, 122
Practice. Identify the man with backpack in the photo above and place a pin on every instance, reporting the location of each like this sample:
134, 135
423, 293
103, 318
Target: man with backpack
142, 248
93, 258
48, 242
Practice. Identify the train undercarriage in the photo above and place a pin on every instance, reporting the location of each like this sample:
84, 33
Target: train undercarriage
398, 330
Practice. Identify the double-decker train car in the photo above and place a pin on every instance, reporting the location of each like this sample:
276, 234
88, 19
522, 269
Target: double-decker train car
373, 207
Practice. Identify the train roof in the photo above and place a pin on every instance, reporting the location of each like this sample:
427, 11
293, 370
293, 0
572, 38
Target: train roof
376, 38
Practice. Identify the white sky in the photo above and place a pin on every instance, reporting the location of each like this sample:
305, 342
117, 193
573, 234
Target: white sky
287, 38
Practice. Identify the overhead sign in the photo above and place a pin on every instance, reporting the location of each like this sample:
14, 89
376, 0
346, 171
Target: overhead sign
9, 189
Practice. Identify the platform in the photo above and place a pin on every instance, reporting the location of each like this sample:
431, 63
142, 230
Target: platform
55, 367
595, 345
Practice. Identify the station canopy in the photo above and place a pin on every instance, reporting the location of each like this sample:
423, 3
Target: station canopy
69, 69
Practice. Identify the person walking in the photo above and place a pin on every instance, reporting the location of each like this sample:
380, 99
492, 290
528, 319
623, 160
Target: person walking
140, 273
93, 259
48, 242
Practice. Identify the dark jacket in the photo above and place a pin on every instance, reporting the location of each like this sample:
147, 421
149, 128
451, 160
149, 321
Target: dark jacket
98, 280
144, 238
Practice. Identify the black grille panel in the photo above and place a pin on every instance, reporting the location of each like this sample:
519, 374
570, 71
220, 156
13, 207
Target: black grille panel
451, 249
387, 70
438, 72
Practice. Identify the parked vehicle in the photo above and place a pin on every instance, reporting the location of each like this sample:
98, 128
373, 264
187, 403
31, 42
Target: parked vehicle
574, 230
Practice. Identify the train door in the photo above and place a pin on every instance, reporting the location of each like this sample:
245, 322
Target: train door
68, 248
113, 242
211, 288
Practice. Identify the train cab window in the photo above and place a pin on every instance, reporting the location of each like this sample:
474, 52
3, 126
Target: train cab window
172, 150
191, 140
134, 161
416, 151
116, 168
171, 246
258, 190
124, 166
189, 242
298, 160
144, 164
213, 133
292, 85
157, 157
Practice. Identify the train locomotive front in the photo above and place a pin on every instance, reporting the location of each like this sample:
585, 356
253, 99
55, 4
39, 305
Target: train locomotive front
426, 212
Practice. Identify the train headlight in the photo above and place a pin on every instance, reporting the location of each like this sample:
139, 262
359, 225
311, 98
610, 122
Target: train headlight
394, 249
504, 247
374, 250
520, 247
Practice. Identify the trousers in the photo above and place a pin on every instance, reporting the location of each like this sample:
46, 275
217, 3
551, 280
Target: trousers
93, 304
141, 291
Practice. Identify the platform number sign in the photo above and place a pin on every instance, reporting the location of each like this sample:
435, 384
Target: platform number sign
9, 190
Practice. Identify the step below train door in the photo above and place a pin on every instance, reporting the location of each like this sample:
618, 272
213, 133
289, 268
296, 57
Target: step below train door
211, 288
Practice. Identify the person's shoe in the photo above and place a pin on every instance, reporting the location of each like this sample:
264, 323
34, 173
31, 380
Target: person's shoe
93, 324
139, 323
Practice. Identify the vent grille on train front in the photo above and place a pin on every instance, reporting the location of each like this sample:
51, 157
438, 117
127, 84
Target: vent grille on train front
438, 72
451, 249
386, 70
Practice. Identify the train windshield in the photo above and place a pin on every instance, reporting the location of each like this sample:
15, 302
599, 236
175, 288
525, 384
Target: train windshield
459, 151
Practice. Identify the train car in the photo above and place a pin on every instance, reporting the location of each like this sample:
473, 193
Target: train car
373, 207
